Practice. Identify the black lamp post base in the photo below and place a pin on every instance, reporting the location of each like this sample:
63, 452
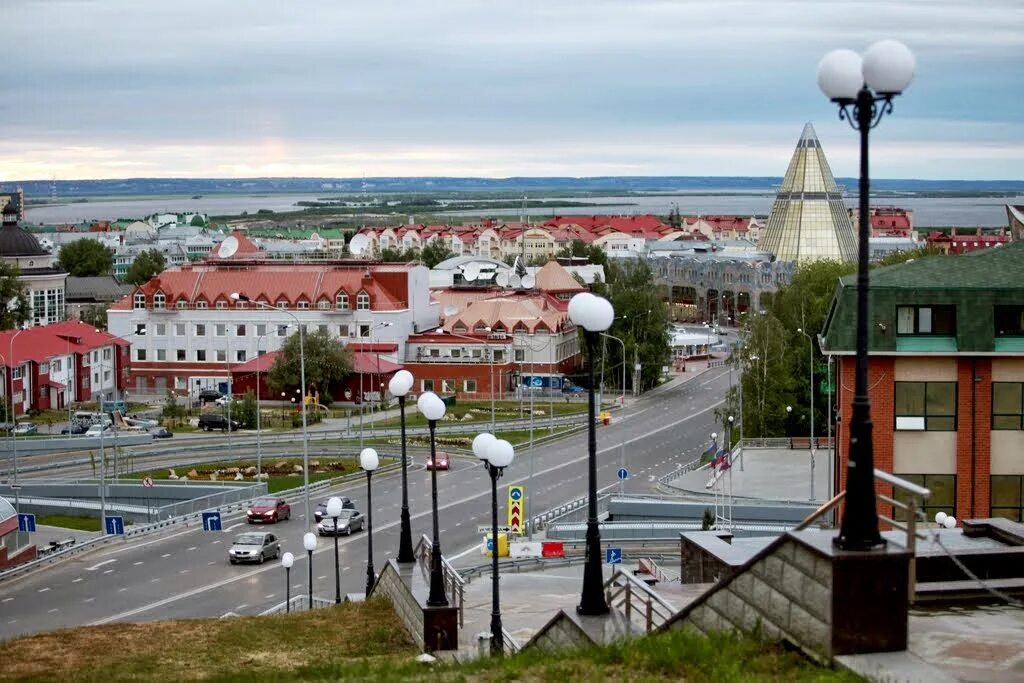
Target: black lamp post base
437, 597
405, 551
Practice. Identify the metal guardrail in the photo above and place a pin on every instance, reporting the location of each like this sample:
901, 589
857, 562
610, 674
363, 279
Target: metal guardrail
527, 564
684, 468
626, 592
454, 585
298, 603
545, 519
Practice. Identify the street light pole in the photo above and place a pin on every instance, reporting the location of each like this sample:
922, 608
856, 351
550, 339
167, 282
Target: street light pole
433, 408
287, 560
14, 420
259, 443
594, 314
369, 461
302, 378
868, 85
400, 384
496, 454
334, 511
810, 341
309, 543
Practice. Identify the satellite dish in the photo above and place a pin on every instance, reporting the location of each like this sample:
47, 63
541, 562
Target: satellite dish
358, 245
514, 280
529, 281
501, 279
228, 247
470, 271
450, 310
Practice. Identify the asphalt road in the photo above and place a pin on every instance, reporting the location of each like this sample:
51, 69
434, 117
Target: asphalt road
185, 573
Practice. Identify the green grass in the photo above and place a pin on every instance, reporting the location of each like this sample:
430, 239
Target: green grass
366, 642
329, 468
70, 522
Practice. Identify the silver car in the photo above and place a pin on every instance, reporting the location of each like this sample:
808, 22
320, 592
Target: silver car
254, 546
348, 521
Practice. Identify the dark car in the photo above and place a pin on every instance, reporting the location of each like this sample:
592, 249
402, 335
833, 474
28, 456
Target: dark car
209, 395
321, 508
73, 430
212, 421
161, 433
268, 511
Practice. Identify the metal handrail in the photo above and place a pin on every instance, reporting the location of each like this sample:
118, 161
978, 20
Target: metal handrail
684, 468
623, 589
454, 584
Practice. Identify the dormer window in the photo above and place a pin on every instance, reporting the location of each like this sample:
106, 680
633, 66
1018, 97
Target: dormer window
202, 305
1009, 321
181, 304
282, 303
221, 304
926, 320
139, 301
241, 304
363, 301
323, 305
459, 328
303, 304
159, 301
481, 329
341, 301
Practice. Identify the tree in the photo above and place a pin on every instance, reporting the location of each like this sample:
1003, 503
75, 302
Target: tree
95, 315
147, 264
580, 249
327, 362
434, 252
172, 410
245, 410
396, 255
86, 258
12, 290
904, 256
768, 380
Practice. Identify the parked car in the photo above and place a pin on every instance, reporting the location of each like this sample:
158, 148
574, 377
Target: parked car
209, 395
268, 511
348, 521
321, 508
440, 464
161, 433
212, 421
73, 430
254, 546
97, 430
26, 428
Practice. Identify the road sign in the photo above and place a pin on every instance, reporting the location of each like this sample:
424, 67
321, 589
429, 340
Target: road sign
211, 521
487, 529
148, 482
537, 382
516, 508
490, 545
623, 473
613, 555
115, 526
26, 522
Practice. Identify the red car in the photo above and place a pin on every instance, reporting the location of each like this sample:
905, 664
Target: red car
268, 511
441, 464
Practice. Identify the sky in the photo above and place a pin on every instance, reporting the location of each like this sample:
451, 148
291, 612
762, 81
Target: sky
245, 88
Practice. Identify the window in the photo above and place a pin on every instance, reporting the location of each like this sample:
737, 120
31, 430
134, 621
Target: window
323, 305
1009, 321
456, 353
499, 355
942, 499
140, 329
179, 329
161, 329
222, 355
106, 354
261, 329
140, 354
201, 355
459, 328
481, 329
1007, 405
200, 330
520, 355
106, 376
322, 329
240, 356
341, 302
364, 330
476, 353
469, 386
303, 304
282, 303
434, 353
161, 354
159, 301
57, 365
180, 355
220, 329
181, 304
363, 301
44, 368
240, 331
927, 406
936, 320
1007, 498
139, 301
282, 330
221, 304
343, 330
241, 304
201, 304
426, 385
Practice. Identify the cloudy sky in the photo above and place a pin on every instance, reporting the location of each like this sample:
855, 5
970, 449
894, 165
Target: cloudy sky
236, 88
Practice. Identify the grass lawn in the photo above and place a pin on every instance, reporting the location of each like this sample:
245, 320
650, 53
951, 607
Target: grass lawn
280, 470
70, 522
366, 642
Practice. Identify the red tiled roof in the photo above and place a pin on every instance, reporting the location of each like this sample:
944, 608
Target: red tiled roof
39, 344
259, 364
376, 347
364, 363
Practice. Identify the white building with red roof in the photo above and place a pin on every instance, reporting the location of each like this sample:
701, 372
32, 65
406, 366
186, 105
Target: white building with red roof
190, 332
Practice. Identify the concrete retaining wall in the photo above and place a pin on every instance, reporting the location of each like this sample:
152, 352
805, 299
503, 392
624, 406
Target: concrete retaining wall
390, 585
562, 632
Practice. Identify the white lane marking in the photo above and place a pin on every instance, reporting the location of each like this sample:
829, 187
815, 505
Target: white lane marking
165, 555
42, 590
183, 571
467, 551
88, 600
6, 600
107, 571
193, 548
136, 564
269, 596
321, 578
52, 611
154, 580
211, 562
13, 621
76, 580
98, 565
461, 501
234, 526
242, 606
215, 543
122, 590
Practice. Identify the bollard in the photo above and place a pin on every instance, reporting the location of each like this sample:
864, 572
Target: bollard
483, 644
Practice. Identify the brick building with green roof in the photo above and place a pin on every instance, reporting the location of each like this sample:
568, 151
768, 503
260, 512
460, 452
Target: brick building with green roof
945, 378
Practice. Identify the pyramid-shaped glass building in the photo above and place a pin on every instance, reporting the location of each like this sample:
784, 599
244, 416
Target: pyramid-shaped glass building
809, 220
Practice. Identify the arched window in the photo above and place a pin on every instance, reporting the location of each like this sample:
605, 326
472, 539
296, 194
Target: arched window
362, 301
139, 301
341, 301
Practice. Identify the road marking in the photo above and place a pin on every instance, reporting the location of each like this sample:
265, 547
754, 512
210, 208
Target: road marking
107, 571
6, 600
215, 543
136, 564
165, 555
88, 600
76, 580
269, 596
42, 590
154, 580
193, 548
52, 611
13, 621
242, 606
211, 562
98, 565
233, 526
345, 569
122, 590
183, 571
467, 551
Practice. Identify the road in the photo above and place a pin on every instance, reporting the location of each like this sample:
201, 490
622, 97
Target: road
185, 573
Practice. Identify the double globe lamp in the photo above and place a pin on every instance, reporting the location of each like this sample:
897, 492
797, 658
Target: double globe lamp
496, 454
433, 409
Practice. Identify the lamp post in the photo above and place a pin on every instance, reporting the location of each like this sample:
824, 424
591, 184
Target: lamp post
863, 88
622, 403
287, 560
309, 543
594, 314
496, 454
302, 379
433, 409
400, 384
259, 443
810, 366
14, 417
334, 511
369, 461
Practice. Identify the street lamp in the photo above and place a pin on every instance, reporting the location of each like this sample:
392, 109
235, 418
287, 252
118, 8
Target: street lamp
302, 379
334, 511
867, 85
594, 314
728, 435
309, 543
369, 461
433, 408
810, 366
496, 454
287, 560
14, 417
400, 384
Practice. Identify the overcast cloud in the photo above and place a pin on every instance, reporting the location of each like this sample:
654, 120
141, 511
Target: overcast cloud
234, 88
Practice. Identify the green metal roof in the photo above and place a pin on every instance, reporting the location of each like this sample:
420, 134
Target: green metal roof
975, 283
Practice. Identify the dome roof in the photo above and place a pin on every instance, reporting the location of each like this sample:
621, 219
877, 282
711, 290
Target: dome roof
16, 241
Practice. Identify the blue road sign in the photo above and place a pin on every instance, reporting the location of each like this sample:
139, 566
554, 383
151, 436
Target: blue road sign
211, 521
115, 526
623, 473
515, 492
26, 522
613, 555
490, 545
